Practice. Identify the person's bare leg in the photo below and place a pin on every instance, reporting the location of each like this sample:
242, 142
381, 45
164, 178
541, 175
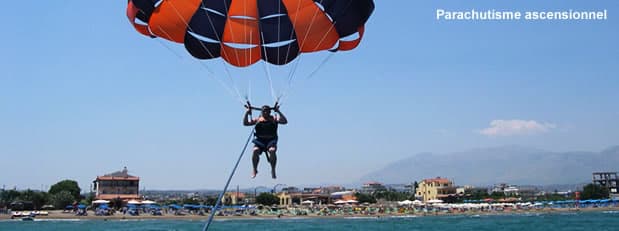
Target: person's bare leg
273, 161
255, 159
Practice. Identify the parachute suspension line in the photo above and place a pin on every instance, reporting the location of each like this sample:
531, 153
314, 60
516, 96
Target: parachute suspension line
213, 28
170, 49
248, 93
233, 84
319, 66
292, 72
311, 75
298, 59
310, 27
218, 202
291, 76
226, 68
267, 70
213, 76
292, 33
328, 31
236, 90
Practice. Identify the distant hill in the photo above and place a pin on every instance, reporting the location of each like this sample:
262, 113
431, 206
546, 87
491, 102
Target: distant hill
509, 164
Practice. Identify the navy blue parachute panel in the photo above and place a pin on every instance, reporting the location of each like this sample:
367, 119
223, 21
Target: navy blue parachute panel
348, 15
277, 37
220, 6
146, 9
206, 29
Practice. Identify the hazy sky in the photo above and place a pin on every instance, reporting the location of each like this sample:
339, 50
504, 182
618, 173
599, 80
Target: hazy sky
82, 94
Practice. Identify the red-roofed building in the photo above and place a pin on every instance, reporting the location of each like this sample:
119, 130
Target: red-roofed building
117, 185
435, 188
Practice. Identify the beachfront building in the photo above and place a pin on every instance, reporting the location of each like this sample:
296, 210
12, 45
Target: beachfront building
323, 195
233, 198
117, 186
527, 192
467, 189
330, 189
500, 188
477, 192
607, 180
403, 188
511, 191
435, 189
291, 189
372, 187
412, 188
285, 199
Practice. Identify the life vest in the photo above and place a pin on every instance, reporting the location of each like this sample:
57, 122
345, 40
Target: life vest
266, 129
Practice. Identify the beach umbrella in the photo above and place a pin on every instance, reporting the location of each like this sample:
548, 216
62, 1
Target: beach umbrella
405, 202
133, 202
191, 206
307, 202
435, 201
417, 202
100, 202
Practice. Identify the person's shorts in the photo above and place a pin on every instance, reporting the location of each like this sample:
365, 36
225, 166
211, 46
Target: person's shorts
265, 144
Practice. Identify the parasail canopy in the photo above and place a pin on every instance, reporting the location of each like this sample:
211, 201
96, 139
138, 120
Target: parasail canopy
242, 32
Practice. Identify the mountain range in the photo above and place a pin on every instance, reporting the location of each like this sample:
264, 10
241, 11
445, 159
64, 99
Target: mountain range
507, 164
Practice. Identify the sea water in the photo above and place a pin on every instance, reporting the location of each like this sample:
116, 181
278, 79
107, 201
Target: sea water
571, 221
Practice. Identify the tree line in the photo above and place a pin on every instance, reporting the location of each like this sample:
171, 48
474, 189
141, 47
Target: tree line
61, 194
67, 192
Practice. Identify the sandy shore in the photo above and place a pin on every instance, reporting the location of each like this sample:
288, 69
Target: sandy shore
66, 216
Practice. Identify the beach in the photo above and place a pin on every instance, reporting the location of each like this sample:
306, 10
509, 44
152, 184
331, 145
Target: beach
60, 215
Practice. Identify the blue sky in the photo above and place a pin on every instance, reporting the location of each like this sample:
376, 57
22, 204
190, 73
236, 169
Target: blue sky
82, 94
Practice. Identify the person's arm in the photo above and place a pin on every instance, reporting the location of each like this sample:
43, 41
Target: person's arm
246, 120
281, 119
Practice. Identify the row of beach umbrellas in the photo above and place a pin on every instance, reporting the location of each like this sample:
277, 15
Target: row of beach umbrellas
133, 202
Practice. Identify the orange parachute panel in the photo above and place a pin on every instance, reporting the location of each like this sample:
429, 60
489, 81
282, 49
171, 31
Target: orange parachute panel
242, 25
314, 30
241, 29
248, 8
171, 18
349, 45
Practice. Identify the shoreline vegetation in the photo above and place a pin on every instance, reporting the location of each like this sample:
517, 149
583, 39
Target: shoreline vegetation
291, 214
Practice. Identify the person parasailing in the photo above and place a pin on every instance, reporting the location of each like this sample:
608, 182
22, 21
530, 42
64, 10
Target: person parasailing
265, 133
242, 33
